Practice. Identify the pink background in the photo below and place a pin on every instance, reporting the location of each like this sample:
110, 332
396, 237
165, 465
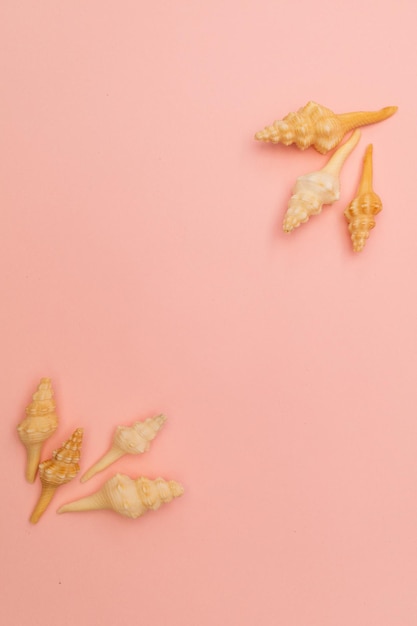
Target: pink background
144, 270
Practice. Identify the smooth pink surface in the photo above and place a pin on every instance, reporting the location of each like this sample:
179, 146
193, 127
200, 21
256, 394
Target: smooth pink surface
144, 270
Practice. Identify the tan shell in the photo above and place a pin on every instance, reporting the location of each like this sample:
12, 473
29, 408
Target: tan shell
361, 211
62, 468
315, 125
127, 496
40, 423
314, 190
134, 439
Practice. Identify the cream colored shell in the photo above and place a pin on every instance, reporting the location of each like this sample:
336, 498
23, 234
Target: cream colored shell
314, 190
129, 497
315, 125
61, 469
40, 423
134, 439
361, 211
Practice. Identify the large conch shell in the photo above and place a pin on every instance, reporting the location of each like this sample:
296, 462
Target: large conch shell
40, 423
313, 190
127, 496
314, 125
134, 439
57, 471
361, 211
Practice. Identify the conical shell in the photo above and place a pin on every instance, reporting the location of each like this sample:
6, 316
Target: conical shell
60, 469
40, 423
134, 439
361, 211
314, 190
315, 125
127, 496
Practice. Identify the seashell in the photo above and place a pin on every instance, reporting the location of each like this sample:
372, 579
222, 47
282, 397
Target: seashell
134, 439
127, 496
40, 423
57, 471
313, 190
361, 211
315, 125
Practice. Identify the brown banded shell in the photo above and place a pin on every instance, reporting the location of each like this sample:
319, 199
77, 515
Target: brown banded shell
57, 471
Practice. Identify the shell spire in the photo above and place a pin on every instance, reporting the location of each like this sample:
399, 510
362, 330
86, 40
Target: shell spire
315, 125
313, 190
40, 423
129, 497
134, 439
62, 468
361, 212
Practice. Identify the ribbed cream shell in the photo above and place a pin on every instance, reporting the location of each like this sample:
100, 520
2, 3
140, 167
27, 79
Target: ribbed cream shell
134, 439
315, 125
314, 190
40, 423
129, 497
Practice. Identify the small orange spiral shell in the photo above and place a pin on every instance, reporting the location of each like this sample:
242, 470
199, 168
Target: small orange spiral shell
360, 213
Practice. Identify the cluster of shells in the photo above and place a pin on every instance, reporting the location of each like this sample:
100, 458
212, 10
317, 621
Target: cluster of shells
315, 125
122, 494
